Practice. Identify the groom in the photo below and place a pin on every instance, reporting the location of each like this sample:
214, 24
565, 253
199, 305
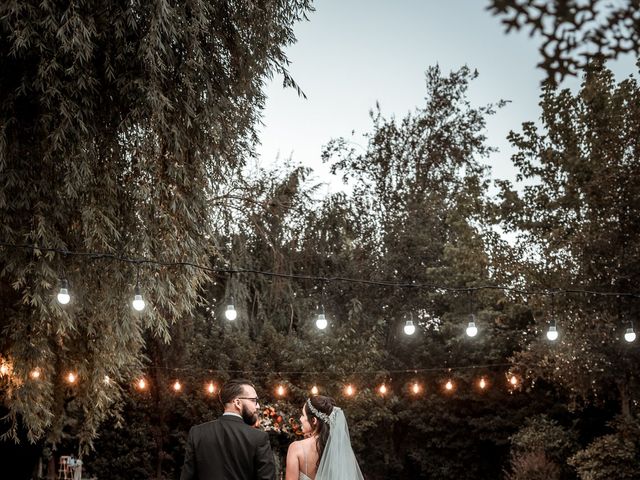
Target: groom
229, 448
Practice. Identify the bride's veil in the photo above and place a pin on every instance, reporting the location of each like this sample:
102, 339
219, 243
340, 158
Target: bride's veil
338, 461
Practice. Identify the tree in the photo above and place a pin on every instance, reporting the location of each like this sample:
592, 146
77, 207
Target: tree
119, 124
573, 32
577, 220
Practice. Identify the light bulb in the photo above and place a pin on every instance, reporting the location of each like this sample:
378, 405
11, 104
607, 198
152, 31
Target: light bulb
314, 390
280, 391
138, 302
630, 335
230, 313
177, 386
349, 391
513, 380
409, 327
482, 383
321, 321
71, 378
211, 388
382, 389
63, 294
472, 330
416, 388
449, 385
4, 369
35, 373
142, 384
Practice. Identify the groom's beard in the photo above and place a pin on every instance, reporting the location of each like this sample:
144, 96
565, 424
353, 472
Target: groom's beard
249, 418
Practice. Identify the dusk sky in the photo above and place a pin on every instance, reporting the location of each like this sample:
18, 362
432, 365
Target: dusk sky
356, 52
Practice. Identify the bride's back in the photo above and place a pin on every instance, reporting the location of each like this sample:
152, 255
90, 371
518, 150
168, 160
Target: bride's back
308, 458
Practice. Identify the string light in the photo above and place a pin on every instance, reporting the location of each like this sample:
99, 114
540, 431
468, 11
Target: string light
63, 295
211, 388
409, 327
552, 333
35, 373
177, 386
71, 377
472, 330
482, 383
230, 313
314, 390
280, 391
5, 369
513, 380
630, 334
449, 385
321, 320
415, 388
141, 384
349, 391
138, 302
382, 389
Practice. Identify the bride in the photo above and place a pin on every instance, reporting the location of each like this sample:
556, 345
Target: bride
326, 453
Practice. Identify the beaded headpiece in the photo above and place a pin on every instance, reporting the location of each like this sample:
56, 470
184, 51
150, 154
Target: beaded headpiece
322, 416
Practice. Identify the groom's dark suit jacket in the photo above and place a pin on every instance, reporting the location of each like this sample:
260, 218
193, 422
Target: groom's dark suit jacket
228, 449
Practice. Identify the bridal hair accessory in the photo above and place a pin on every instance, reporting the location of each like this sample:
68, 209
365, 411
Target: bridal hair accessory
322, 416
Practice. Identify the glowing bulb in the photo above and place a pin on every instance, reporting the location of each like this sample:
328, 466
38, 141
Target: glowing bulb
142, 384
138, 302
449, 385
409, 328
211, 388
382, 389
280, 391
230, 313
314, 390
349, 390
513, 380
552, 333
4, 369
35, 373
630, 335
472, 330
415, 388
71, 377
321, 321
63, 294
483, 383
177, 386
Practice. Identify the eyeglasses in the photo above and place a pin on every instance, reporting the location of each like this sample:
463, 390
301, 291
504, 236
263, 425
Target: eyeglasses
253, 399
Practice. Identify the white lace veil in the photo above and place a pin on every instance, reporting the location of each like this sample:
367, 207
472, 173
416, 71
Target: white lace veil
338, 461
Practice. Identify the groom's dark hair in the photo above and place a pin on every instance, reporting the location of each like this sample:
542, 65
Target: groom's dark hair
232, 389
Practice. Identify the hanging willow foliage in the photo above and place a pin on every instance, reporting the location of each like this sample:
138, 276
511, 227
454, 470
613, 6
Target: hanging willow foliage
118, 123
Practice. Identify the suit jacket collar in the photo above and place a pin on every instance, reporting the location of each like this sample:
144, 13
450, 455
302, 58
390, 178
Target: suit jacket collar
231, 418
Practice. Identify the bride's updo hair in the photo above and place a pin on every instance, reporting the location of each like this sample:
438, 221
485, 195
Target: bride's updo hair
323, 405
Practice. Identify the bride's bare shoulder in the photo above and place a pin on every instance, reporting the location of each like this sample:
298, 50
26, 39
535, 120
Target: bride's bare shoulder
301, 443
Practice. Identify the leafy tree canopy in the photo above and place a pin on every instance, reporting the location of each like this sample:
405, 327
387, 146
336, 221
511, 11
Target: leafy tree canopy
119, 123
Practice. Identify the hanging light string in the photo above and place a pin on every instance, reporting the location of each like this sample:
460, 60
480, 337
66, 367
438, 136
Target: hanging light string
324, 279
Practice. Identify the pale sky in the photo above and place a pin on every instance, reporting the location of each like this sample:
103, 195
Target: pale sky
353, 53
